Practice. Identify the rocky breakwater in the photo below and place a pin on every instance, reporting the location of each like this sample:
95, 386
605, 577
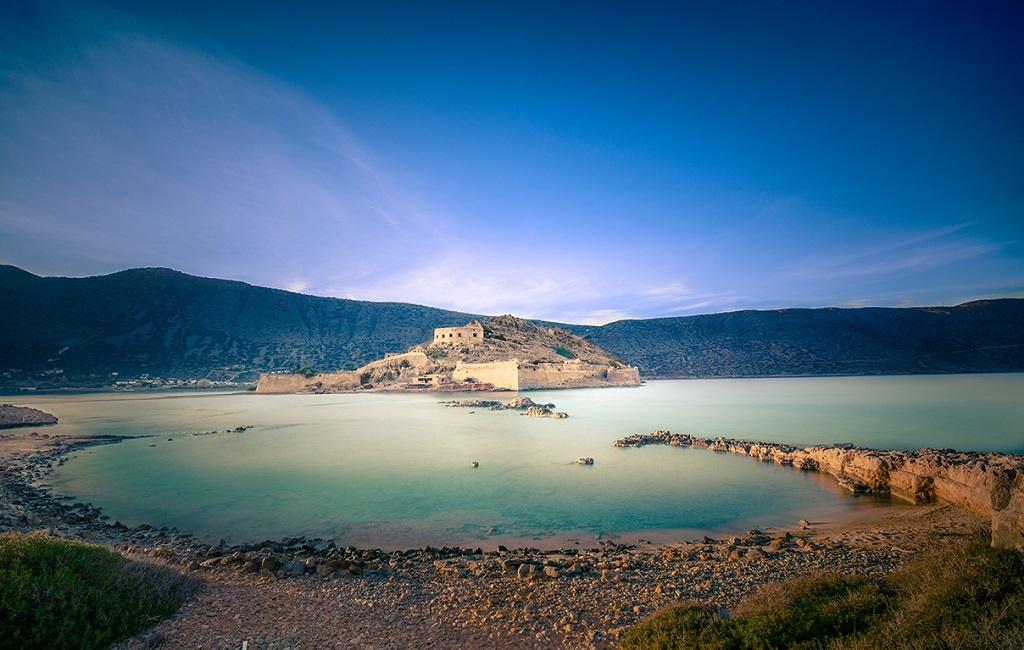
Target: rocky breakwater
990, 484
524, 404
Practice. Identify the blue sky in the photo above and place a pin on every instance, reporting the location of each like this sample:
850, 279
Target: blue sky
580, 162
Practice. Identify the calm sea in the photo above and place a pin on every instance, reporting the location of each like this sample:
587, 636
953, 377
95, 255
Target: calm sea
394, 470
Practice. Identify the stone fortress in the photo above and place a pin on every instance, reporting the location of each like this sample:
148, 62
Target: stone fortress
469, 334
503, 353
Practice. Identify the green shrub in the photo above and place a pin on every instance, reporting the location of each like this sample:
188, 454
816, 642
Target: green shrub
690, 625
62, 594
967, 596
565, 352
796, 613
799, 612
964, 597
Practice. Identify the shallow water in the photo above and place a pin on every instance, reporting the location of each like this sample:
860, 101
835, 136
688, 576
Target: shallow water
393, 470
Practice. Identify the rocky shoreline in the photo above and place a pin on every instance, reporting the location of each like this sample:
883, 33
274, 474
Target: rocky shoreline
990, 484
301, 593
12, 417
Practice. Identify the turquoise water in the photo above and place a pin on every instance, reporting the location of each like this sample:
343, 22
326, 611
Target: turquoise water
393, 470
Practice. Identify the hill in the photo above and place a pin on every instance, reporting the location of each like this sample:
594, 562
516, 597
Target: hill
160, 322
982, 336
157, 322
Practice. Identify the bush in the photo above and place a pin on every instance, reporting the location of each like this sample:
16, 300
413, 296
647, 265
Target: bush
965, 597
690, 625
801, 611
565, 352
62, 594
791, 614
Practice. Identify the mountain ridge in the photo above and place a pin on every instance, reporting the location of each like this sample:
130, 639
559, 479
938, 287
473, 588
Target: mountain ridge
160, 322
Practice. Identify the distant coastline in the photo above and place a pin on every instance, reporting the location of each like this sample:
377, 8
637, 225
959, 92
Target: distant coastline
159, 328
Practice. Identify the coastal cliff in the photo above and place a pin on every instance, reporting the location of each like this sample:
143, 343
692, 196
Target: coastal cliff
990, 484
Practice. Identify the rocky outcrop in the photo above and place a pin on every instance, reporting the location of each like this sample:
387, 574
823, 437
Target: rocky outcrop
545, 412
23, 416
990, 484
524, 404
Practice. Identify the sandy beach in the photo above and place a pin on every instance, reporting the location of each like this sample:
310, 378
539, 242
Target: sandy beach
300, 595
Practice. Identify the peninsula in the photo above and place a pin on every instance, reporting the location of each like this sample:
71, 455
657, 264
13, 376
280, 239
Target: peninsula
23, 416
502, 353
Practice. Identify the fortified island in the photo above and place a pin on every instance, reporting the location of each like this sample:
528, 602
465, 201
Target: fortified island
504, 353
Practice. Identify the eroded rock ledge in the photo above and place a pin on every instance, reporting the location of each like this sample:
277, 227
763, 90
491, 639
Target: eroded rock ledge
23, 416
990, 484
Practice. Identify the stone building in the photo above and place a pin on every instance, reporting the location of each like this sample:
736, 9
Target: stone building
469, 334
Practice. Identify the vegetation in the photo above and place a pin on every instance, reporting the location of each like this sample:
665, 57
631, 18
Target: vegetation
969, 596
436, 353
60, 594
565, 352
966, 597
305, 372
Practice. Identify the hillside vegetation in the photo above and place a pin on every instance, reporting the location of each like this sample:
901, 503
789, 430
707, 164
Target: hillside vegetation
166, 323
983, 336
78, 331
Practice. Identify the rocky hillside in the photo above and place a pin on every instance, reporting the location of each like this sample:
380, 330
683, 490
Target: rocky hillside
505, 337
983, 336
158, 322
508, 337
78, 331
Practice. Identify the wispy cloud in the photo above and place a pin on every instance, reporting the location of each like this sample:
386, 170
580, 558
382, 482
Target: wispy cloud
543, 283
921, 251
144, 152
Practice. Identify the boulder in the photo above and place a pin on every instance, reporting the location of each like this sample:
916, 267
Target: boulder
324, 570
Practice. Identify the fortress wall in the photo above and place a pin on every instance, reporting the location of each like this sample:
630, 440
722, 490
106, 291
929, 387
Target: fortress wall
629, 376
295, 383
575, 375
562, 375
503, 374
416, 359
